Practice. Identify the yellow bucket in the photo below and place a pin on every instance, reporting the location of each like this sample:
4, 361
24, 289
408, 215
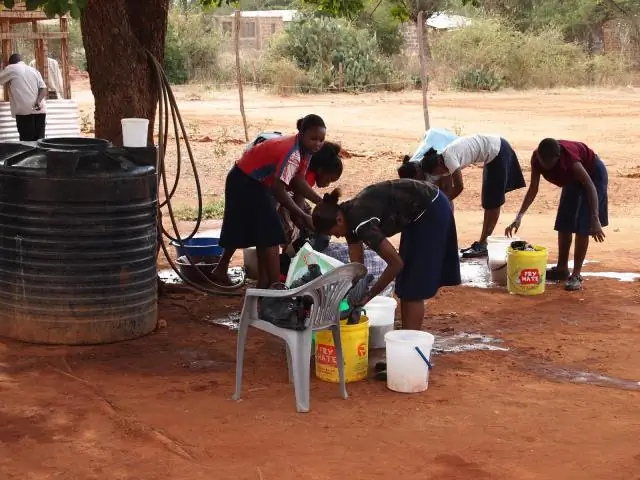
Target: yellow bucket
526, 271
355, 348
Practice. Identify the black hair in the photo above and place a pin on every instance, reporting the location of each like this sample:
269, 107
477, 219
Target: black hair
310, 121
325, 213
430, 161
548, 149
15, 58
327, 159
408, 169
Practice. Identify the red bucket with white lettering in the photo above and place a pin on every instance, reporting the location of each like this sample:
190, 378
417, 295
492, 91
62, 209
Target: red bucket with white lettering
526, 271
355, 349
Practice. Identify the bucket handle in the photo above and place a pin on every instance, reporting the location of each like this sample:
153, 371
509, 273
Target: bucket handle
424, 357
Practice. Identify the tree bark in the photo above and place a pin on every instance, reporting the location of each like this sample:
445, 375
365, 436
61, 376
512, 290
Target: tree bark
116, 35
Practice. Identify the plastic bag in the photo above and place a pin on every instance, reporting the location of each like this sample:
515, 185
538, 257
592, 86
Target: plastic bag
305, 257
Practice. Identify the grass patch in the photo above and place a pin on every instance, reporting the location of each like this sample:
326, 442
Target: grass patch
210, 211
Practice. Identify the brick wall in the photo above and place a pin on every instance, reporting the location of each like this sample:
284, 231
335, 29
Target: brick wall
618, 36
255, 32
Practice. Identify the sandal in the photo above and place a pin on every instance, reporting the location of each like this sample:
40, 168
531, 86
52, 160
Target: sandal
556, 275
477, 250
573, 283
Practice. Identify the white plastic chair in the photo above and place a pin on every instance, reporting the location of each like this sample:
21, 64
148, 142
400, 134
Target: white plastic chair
326, 292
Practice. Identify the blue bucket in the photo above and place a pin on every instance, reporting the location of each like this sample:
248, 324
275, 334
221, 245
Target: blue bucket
198, 247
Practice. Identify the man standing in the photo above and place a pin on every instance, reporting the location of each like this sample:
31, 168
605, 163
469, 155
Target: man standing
27, 92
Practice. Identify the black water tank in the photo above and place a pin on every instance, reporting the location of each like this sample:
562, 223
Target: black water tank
78, 223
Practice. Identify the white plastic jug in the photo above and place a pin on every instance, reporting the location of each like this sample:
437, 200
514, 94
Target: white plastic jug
497, 258
134, 132
407, 371
381, 312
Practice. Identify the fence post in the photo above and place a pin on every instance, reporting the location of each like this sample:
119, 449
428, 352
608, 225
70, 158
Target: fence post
424, 77
341, 72
239, 73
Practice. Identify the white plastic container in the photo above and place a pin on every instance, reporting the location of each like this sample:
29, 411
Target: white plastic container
407, 372
381, 312
250, 260
135, 132
497, 258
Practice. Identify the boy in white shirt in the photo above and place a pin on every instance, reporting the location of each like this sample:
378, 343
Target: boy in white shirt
27, 92
501, 174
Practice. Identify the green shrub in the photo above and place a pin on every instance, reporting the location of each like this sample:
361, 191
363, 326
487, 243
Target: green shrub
319, 45
489, 54
477, 79
192, 47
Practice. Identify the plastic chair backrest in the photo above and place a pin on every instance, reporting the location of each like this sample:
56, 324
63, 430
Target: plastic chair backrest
329, 290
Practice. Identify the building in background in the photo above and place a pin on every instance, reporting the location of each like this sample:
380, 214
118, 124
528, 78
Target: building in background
256, 27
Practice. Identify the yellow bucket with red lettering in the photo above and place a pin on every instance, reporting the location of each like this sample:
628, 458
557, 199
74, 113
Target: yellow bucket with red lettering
526, 271
355, 349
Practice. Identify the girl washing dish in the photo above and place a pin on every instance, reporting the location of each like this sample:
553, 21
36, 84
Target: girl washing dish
254, 187
428, 255
501, 175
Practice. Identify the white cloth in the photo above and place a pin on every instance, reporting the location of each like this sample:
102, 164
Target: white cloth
467, 151
54, 77
24, 83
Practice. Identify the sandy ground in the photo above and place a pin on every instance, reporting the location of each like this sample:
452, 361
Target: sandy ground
159, 407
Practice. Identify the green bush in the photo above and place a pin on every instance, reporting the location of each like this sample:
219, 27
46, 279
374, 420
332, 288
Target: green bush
192, 47
489, 54
319, 45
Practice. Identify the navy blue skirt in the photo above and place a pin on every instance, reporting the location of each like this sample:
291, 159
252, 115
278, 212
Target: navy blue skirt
250, 215
501, 176
574, 211
429, 250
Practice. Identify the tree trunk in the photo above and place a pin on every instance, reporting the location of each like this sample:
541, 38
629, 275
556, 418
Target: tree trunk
116, 34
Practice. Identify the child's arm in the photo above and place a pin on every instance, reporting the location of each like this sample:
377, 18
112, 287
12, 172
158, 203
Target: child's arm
534, 183
592, 194
458, 184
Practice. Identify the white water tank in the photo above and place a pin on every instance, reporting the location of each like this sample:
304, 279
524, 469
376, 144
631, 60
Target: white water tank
63, 120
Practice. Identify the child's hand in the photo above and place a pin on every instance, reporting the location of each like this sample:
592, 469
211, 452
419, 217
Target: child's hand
512, 229
596, 229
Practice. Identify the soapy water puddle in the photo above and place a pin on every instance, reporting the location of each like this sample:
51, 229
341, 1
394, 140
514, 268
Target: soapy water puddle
570, 375
231, 321
475, 273
169, 276
466, 342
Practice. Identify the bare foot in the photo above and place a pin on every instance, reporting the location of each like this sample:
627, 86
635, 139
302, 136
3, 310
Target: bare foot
221, 278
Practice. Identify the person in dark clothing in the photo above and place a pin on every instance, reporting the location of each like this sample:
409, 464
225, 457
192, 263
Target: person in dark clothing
428, 256
257, 183
325, 167
583, 208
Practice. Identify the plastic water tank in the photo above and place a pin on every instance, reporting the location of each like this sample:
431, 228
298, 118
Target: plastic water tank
78, 238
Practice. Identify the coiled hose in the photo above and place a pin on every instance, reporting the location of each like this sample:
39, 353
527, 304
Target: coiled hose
167, 103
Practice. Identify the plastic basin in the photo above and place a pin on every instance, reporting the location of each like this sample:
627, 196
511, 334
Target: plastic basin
198, 247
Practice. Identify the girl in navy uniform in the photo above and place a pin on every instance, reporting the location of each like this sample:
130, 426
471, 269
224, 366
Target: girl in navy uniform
428, 256
583, 209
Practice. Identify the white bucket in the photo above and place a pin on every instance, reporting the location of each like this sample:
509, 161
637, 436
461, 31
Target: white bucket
250, 260
497, 258
381, 312
407, 371
135, 132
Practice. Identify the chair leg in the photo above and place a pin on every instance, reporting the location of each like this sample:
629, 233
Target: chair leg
337, 341
289, 363
243, 330
301, 354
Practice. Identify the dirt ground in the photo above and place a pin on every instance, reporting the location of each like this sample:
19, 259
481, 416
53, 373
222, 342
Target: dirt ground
160, 407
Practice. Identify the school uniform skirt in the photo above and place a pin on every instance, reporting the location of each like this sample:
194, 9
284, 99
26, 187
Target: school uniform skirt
429, 251
501, 176
250, 214
574, 211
